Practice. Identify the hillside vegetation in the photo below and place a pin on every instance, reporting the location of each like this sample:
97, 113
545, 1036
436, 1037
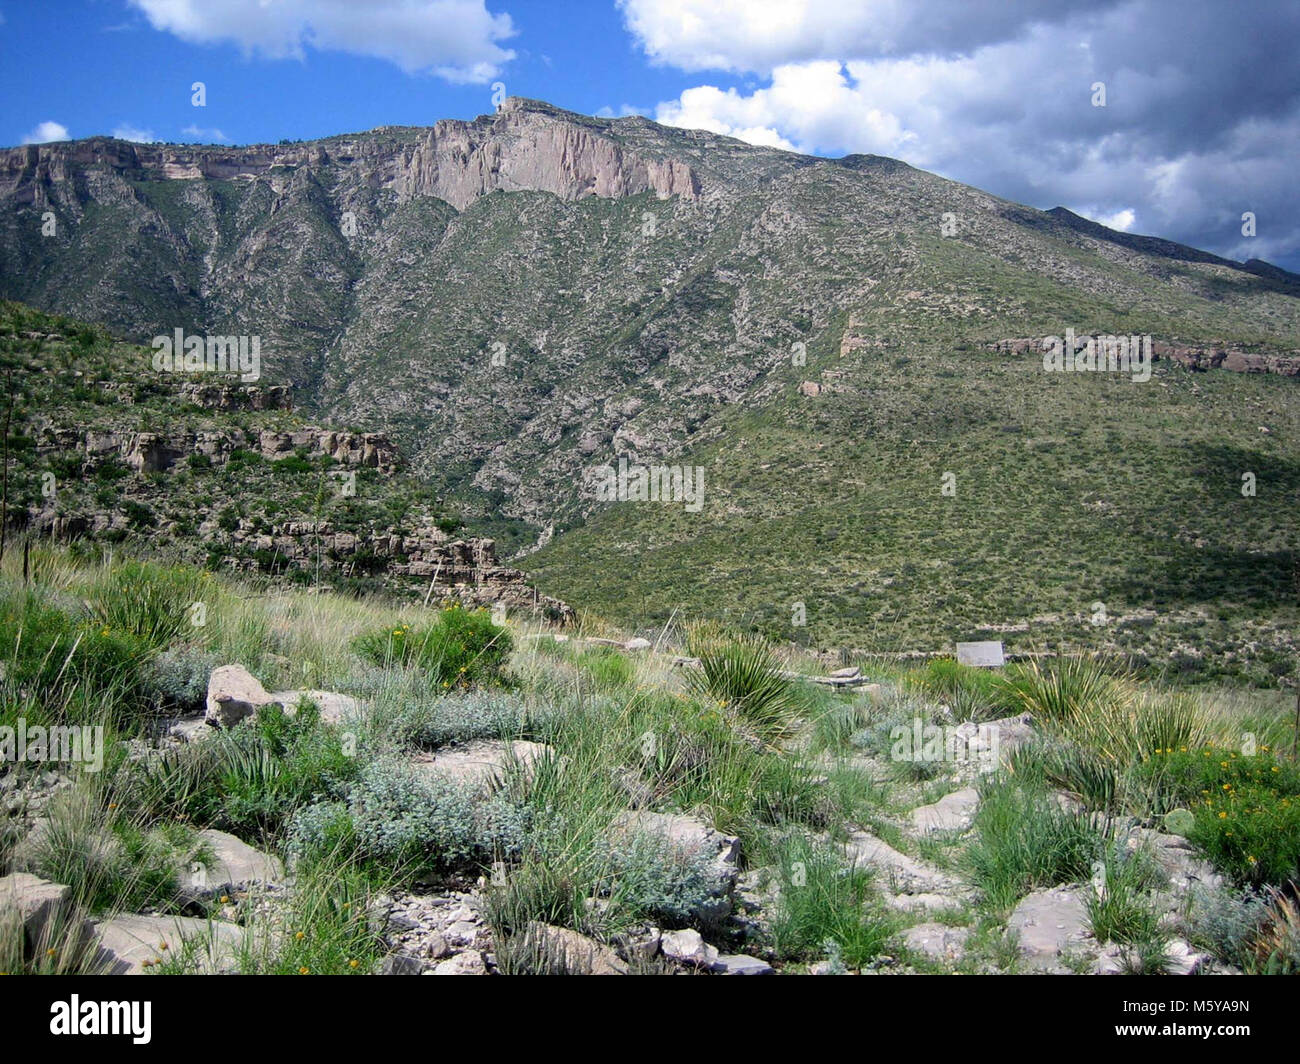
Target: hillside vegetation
434, 791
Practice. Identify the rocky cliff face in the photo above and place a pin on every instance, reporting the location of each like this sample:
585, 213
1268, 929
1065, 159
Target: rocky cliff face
524, 146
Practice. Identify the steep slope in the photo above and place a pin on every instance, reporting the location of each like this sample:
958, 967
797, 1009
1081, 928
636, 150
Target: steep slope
520, 299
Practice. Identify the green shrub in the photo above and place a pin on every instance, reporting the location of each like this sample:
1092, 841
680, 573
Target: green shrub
1227, 923
461, 647
177, 678
250, 780
395, 817
462, 716
138, 515
652, 879
1246, 808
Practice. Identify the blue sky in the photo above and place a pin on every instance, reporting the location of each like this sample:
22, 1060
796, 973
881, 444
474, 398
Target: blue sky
114, 71
1199, 121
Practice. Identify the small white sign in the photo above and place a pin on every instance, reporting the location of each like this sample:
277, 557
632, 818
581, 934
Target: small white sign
984, 655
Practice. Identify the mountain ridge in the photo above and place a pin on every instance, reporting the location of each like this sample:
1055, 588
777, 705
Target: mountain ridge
510, 345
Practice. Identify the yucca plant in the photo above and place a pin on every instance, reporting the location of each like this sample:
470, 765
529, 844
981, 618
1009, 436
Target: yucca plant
1060, 691
745, 679
152, 602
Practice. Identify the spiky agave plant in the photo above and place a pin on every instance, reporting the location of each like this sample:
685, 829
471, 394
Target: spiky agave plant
745, 679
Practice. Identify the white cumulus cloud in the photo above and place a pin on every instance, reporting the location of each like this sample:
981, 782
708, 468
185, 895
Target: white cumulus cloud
207, 135
126, 131
47, 132
1201, 122
455, 39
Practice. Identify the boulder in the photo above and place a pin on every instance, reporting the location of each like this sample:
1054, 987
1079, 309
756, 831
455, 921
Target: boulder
130, 944
578, 954
44, 910
1048, 924
952, 812
688, 947
468, 963
485, 763
906, 874
334, 707
233, 865
401, 964
233, 695
936, 941
741, 964
1177, 858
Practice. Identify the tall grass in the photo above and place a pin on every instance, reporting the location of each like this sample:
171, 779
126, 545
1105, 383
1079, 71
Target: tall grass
826, 906
1025, 840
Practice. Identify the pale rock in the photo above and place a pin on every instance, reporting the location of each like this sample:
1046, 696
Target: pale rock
233, 865
1050, 923
741, 964
468, 963
128, 942
483, 764
688, 947
952, 812
937, 941
578, 954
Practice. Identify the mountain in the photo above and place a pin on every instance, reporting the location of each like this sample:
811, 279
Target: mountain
519, 299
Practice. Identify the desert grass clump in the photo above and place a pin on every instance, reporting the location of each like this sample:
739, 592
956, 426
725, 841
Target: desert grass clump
1025, 839
112, 859
61, 946
1065, 764
1277, 946
322, 927
59, 667
608, 668
1120, 909
839, 721
826, 906
971, 693
152, 602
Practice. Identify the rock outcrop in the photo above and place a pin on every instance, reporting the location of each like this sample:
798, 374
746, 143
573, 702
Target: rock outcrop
526, 145
1198, 357
157, 452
